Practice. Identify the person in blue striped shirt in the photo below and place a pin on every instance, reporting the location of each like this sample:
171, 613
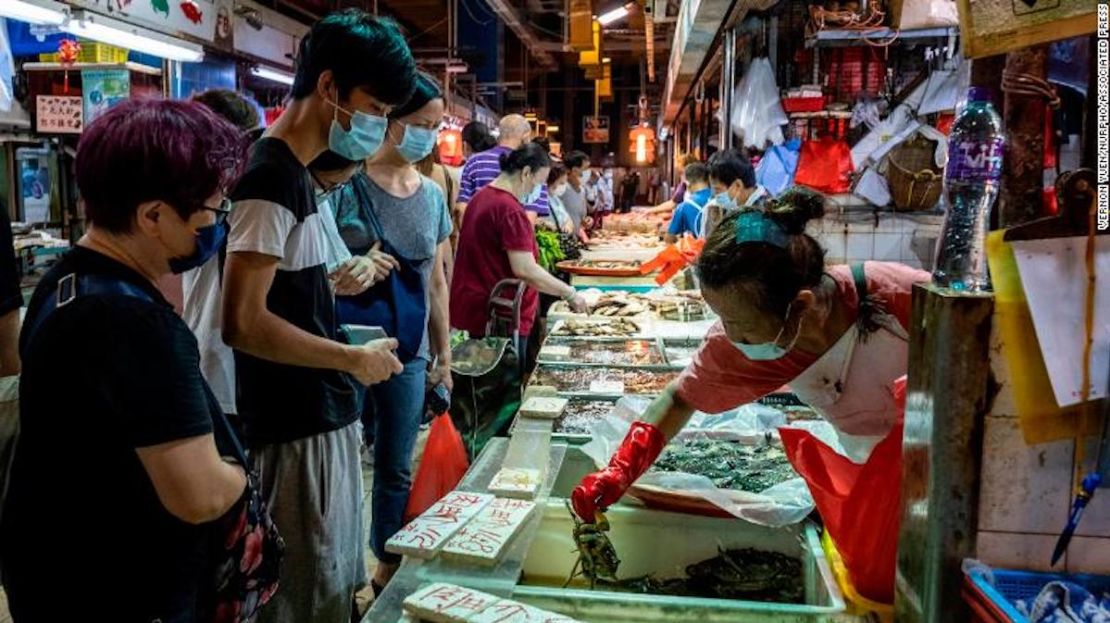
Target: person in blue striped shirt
484, 167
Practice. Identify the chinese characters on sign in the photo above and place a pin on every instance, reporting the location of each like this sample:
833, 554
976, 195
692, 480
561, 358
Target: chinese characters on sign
423, 536
485, 537
516, 482
60, 114
448, 603
595, 130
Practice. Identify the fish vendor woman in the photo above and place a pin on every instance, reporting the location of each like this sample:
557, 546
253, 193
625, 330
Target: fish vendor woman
836, 335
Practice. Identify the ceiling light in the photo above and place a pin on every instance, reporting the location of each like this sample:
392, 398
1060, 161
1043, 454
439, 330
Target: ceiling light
608, 18
38, 12
273, 75
114, 32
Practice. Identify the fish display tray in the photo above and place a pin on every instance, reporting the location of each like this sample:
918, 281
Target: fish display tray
632, 352
648, 542
578, 434
570, 380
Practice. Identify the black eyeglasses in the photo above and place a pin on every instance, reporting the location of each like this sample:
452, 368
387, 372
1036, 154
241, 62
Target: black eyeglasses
221, 212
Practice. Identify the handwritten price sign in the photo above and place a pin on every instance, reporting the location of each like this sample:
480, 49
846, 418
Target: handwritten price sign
423, 537
59, 114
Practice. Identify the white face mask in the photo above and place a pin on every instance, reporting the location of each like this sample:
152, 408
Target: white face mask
559, 189
585, 175
533, 196
770, 351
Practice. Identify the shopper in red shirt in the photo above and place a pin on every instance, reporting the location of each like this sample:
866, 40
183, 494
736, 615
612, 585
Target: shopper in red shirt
497, 242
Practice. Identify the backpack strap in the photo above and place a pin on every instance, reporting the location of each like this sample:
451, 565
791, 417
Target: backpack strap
870, 307
72, 286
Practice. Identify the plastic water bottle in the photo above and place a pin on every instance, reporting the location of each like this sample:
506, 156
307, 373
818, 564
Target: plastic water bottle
971, 182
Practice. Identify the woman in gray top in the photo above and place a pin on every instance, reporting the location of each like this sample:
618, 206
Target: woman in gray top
399, 218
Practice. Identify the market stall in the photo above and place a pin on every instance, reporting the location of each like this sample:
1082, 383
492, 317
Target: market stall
748, 551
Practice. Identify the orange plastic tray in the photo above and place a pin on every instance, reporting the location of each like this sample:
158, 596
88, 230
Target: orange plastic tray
574, 268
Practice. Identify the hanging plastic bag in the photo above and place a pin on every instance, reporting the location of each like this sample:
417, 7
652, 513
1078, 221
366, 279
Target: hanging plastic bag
914, 14
896, 123
945, 87
441, 468
859, 504
776, 169
757, 114
7, 69
873, 187
825, 165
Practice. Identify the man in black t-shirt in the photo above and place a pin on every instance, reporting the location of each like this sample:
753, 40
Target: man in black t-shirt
118, 472
297, 384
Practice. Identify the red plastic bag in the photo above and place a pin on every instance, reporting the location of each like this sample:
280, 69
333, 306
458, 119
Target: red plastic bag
825, 165
441, 468
860, 504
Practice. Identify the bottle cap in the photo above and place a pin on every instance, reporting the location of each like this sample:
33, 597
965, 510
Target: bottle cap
980, 94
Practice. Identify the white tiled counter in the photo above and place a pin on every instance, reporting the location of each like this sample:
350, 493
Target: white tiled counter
855, 233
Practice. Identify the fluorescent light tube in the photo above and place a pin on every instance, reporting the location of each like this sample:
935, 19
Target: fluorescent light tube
43, 12
114, 32
612, 16
273, 75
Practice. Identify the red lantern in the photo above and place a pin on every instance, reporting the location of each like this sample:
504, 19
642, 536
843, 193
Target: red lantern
450, 146
641, 144
68, 52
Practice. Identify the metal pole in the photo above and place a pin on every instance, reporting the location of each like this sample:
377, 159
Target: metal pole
728, 76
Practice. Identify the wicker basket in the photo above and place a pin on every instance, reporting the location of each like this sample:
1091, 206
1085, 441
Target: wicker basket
914, 178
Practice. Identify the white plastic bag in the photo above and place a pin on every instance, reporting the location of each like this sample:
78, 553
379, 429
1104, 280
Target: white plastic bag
874, 145
873, 187
757, 113
944, 87
7, 69
780, 505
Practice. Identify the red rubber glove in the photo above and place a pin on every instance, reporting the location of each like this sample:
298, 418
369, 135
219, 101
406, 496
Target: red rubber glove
635, 455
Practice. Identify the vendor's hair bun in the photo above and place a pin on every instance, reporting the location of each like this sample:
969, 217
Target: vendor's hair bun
795, 207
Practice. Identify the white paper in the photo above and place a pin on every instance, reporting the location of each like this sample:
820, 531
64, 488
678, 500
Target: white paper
1054, 275
607, 387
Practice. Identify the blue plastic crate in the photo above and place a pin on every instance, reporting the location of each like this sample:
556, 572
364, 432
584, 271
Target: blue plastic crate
1013, 586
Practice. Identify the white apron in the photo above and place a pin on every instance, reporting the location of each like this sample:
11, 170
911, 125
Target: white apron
851, 385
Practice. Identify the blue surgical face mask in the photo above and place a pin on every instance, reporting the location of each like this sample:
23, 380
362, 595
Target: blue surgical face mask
209, 240
533, 196
362, 140
724, 200
417, 143
770, 351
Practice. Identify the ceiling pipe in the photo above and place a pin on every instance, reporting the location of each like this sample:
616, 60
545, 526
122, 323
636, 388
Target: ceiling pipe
508, 15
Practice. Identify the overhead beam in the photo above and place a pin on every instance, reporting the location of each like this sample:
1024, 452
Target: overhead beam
628, 45
509, 16
699, 22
